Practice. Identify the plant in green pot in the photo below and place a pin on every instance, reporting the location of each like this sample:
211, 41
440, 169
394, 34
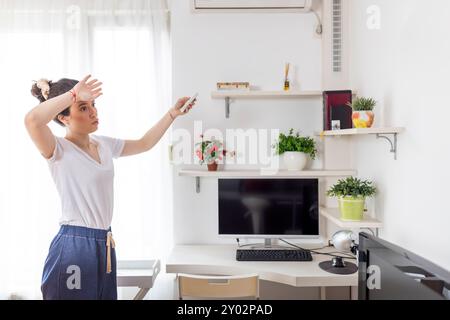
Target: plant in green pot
295, 149
352, 193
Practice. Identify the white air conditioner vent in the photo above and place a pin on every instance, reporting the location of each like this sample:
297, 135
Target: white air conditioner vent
337, 35
256, 5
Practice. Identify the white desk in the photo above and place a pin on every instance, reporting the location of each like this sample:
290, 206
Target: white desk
141, 274
221, 260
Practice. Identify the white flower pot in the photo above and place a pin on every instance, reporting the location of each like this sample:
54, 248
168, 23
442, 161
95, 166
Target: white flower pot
295, 161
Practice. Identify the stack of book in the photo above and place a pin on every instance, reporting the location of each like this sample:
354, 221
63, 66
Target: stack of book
233, 86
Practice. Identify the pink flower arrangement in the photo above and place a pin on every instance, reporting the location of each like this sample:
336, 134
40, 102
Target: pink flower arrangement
210, 151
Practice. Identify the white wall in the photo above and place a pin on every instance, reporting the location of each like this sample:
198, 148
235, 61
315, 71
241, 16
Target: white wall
404, 66
208, 48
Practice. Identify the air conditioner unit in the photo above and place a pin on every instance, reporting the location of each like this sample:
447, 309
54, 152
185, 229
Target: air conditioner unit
252, 5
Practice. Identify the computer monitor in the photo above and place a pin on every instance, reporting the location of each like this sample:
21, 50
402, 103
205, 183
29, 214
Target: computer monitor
269, 208
388, 272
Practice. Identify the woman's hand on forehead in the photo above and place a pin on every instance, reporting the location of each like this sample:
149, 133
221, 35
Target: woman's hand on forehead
87, 90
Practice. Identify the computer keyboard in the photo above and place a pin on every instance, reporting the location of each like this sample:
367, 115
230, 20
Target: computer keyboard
272, 255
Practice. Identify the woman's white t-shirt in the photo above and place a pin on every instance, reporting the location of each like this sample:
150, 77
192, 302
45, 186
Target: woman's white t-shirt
85, 186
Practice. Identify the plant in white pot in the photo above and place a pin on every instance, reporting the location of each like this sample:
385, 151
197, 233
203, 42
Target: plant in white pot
352, 193
295, 150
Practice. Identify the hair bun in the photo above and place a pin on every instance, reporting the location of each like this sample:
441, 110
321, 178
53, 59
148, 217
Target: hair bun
41, 89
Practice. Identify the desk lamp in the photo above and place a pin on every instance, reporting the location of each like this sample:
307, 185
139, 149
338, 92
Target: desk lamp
344, 241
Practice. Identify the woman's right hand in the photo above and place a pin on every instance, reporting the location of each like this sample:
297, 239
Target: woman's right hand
87, 90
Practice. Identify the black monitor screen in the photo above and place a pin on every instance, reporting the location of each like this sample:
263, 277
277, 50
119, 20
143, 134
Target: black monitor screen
269, 207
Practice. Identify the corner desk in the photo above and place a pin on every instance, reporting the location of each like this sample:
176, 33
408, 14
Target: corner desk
221, 260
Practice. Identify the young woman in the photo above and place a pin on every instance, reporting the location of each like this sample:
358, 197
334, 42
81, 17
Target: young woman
81, 263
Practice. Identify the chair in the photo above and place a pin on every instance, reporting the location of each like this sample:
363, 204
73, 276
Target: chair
200, 286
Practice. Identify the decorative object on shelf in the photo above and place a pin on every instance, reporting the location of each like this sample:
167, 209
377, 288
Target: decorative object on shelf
352, 193
336, 110
295, 149
343, 241
363, 115
211, 152
335, 124
233, 86
287, 85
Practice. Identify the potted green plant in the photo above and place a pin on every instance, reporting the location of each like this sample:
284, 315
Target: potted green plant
295, 149
363, 115
352, 193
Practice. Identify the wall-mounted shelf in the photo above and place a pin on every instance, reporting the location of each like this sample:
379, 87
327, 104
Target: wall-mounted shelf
381, 133
265, 94
265, 173
227, 95
333, 215
229, 174
355, 131
259, 94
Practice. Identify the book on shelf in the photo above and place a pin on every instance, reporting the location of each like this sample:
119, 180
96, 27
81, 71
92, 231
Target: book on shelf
337, 115
245, 86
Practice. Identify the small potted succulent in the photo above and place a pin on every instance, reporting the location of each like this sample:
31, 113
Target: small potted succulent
211, 151
363, 115
352, 193
295, 150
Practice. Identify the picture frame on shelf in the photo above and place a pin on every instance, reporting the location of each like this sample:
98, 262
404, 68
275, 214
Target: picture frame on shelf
335, 124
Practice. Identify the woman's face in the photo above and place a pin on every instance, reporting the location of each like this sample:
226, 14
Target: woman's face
83, 118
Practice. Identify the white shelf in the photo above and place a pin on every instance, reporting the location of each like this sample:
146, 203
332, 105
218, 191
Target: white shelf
381, 133
259, 94
355, 131
334, 216
265, 173
229, 174
265, 94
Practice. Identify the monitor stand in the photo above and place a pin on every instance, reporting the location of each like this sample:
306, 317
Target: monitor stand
268, 244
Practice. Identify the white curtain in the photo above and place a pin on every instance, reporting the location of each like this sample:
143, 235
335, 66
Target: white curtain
125, 44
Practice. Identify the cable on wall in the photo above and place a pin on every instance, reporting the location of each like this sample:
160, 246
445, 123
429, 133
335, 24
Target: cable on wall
319, 28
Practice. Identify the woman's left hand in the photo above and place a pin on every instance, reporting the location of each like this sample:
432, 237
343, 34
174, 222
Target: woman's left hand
175, 110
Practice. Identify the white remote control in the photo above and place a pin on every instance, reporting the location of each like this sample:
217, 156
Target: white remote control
186, 105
